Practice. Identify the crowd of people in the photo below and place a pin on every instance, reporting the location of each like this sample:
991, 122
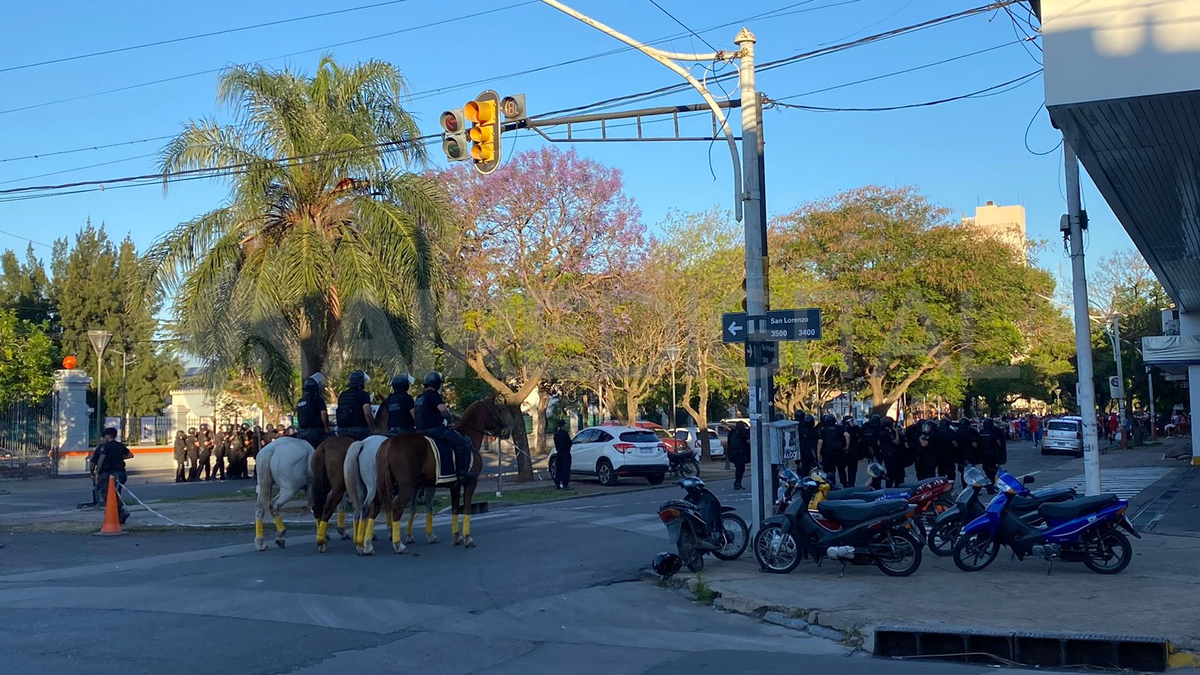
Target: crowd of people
201, 454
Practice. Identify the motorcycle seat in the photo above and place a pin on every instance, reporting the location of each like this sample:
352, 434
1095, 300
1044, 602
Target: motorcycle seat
1077, 507
917, 485
850, 512
847, 493
896, 494
1036, 499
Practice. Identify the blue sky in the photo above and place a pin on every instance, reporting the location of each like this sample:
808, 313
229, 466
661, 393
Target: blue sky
961, 154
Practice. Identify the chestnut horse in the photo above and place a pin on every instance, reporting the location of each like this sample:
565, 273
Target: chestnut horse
409, 462
329, 486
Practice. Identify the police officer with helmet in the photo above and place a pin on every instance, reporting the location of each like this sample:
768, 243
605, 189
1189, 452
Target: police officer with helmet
354, 418
312, 419
431, 415
398, 407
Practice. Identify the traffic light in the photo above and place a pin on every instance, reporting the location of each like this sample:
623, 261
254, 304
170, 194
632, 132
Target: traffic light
484, 115
744, 294
454, 135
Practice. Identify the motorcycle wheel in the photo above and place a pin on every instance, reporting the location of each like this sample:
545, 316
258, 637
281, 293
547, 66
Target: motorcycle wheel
737, 536
943, 537
777, 552
691, 554
1107, 552
689, 469
905, 558
975, 551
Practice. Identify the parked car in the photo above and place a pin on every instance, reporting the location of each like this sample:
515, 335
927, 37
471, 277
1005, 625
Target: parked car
690, 435
673, 444
612, 452
1064, 435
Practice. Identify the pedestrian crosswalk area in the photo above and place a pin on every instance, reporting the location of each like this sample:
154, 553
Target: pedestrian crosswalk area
1125, 483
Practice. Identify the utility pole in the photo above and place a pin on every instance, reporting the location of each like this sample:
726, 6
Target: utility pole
673, 354
1116, 341
1073, 225
1150, 383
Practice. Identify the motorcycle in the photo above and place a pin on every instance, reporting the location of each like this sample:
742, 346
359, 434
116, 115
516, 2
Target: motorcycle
698, 525
943, 534
1083, 530
929, 497
682, 463
853, 532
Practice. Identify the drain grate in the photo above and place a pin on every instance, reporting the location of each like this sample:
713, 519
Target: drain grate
1044, 650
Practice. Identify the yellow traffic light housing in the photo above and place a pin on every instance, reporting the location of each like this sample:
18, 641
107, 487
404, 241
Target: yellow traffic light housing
484, 115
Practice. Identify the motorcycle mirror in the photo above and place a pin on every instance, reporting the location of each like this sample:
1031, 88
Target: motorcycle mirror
1027, 480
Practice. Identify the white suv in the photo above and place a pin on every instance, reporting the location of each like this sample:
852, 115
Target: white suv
691, 436
614, 452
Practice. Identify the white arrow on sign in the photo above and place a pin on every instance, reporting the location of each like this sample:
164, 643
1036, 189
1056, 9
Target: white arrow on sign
733, 328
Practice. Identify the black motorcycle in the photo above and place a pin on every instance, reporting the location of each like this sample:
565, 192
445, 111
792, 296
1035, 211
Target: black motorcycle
854, 532
943, 535
683, 463
698, 524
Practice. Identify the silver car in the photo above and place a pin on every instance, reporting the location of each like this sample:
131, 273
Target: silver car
1064, 435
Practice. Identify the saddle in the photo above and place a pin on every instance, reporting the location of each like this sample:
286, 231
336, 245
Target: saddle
444, 459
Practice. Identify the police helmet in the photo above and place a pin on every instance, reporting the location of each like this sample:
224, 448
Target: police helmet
401, 382
928, 426
359, 379
965, 423
320, 378
875, 419
311, 386
847, 419
667, 564
828, 420
989, 424
809, 420
888, 422
433, 379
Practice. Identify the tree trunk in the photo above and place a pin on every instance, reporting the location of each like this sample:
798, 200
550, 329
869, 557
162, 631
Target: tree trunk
539, 423
520, 441
699, 413
631, 408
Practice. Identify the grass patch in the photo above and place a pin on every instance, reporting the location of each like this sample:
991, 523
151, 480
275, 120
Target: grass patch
703, 592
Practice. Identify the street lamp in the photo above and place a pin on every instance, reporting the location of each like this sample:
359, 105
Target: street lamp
817, 376
673, 354
1058, 397
99, 340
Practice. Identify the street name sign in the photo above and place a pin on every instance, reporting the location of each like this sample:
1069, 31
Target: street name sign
780, 325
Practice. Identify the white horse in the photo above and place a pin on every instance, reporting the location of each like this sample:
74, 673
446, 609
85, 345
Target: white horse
361, 473
287, 463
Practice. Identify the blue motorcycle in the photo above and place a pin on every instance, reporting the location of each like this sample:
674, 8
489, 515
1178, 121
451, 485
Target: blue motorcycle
1083, 530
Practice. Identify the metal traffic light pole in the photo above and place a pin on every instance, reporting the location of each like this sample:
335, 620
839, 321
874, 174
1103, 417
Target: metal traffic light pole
749, 208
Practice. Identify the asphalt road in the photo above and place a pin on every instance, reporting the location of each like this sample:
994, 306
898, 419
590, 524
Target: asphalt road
551, 588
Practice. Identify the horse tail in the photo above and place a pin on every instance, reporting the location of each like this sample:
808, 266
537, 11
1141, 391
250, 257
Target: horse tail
265, 482
321, 486
350, 472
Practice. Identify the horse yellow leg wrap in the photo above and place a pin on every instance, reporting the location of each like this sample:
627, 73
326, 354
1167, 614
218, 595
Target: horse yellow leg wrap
341, 520
358, 526
368, 530
411, 518
466, 525
395, 534
428, 524
454, 524
279, 526
258, 528
322, 526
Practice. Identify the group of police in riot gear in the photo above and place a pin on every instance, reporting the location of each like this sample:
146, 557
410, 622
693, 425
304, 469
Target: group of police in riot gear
399, 413
932, 448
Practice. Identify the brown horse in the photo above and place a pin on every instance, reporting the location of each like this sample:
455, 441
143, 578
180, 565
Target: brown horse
408, 463
329, 486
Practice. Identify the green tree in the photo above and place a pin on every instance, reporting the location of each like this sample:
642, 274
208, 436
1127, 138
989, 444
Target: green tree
908, 293
25, 287
27, 359
317, 260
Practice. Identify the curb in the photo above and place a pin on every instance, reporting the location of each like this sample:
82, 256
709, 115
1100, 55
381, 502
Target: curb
861, 637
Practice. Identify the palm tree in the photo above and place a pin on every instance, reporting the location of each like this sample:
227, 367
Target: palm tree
325, 239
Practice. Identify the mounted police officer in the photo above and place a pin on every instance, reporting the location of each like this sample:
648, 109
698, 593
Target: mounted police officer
354, 418
399, 406
431, 414
312, 420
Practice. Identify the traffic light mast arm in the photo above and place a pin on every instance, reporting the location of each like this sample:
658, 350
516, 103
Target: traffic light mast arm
668, 60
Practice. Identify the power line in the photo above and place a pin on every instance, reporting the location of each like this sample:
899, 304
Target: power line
683, 25
198, 36
772, 14
1023, 79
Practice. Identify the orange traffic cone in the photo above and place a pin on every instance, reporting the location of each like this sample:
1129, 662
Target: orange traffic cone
112, 514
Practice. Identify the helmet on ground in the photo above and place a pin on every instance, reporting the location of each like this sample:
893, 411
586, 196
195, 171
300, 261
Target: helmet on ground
433, 379
666, 564
359, 379
401, 382
876, 470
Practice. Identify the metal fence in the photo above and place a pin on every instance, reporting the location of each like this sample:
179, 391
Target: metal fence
28, 441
